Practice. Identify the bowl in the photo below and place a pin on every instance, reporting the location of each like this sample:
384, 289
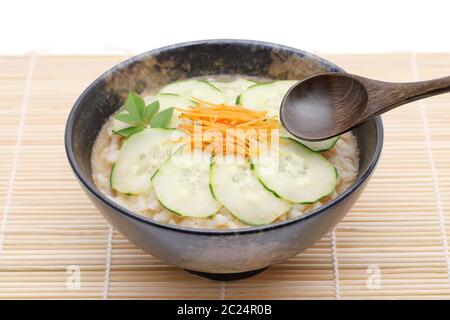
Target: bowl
216, 254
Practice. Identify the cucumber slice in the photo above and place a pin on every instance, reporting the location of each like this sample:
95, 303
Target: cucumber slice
166, 100
300, 176
199, 89
319, 146
233, 89
182, 184
139, 158
234, 185
266, 96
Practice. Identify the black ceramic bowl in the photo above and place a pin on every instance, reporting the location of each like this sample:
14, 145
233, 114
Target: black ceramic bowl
218, 254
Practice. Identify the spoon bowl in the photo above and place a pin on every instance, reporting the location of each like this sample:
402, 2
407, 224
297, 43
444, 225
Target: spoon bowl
329, 104
322, 105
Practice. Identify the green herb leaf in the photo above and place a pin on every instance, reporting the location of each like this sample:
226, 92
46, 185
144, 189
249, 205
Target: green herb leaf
150, 111
127, 118
129, 131
139, 115
162, 119
135, 105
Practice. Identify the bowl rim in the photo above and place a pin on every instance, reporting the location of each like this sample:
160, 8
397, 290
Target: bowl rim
92, 189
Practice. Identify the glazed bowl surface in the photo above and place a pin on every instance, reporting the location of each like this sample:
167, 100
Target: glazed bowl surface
218, 254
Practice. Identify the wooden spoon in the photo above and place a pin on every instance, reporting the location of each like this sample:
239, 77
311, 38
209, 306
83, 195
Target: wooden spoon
330, 104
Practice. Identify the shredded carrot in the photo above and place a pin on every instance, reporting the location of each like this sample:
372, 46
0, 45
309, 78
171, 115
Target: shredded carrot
225, 127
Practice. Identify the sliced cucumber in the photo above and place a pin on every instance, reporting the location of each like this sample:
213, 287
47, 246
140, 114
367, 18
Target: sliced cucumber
166, 100
182, 184
300, 175
233, 89
266, 96
199, 89
139, 158
319, 146
234, 185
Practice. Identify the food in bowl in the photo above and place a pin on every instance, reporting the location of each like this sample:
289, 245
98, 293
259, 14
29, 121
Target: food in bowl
220, 253
212, 154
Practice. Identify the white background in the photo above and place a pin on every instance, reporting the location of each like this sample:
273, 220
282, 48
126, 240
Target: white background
108, 27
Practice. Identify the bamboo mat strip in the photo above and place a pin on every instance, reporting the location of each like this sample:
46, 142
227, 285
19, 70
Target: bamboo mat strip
12, 176
337, 289
108, 263
436, 187
393, 243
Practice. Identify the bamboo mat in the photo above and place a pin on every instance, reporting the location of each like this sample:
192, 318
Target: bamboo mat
393, 244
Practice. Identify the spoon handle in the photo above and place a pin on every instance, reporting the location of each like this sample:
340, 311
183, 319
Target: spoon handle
384, 96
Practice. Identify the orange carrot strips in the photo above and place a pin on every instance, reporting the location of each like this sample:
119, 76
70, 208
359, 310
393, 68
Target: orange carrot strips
225, 127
